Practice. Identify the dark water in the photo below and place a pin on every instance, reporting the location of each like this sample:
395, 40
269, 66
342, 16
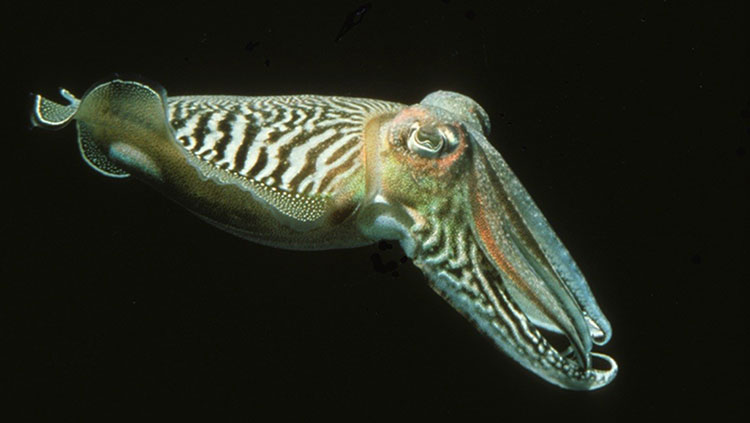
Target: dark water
628, 124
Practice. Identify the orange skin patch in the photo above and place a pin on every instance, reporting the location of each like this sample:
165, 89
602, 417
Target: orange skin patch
484, 231
435, 166
486, 234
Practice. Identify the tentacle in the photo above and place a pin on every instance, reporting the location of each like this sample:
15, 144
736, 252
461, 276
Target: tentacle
480, 293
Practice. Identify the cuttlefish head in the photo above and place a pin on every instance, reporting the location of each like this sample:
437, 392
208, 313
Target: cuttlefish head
436, 184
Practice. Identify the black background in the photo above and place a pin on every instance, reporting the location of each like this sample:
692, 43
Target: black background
627, 123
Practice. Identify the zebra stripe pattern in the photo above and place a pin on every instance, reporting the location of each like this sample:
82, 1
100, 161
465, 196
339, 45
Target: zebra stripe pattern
304, 145
462, 274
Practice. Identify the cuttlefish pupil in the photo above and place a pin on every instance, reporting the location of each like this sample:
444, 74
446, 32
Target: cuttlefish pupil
321, 172
426, 140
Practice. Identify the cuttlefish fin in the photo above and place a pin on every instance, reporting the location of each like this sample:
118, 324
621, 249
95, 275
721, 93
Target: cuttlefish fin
48, 114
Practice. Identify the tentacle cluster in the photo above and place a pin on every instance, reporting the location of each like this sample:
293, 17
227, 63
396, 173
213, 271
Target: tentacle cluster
459, 271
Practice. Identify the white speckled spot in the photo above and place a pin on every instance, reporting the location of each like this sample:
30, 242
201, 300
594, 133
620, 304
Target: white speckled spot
134, 158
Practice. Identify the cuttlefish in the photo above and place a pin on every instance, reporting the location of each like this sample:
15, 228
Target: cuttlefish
322, 172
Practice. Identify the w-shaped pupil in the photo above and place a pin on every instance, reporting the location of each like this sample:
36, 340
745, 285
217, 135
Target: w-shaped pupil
430, 137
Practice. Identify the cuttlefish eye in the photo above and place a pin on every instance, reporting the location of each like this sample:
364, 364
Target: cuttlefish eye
430, 140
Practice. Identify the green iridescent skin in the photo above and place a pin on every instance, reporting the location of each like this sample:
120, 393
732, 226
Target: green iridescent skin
424, 175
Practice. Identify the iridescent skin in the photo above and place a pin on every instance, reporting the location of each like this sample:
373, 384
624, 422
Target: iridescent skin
424, 175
